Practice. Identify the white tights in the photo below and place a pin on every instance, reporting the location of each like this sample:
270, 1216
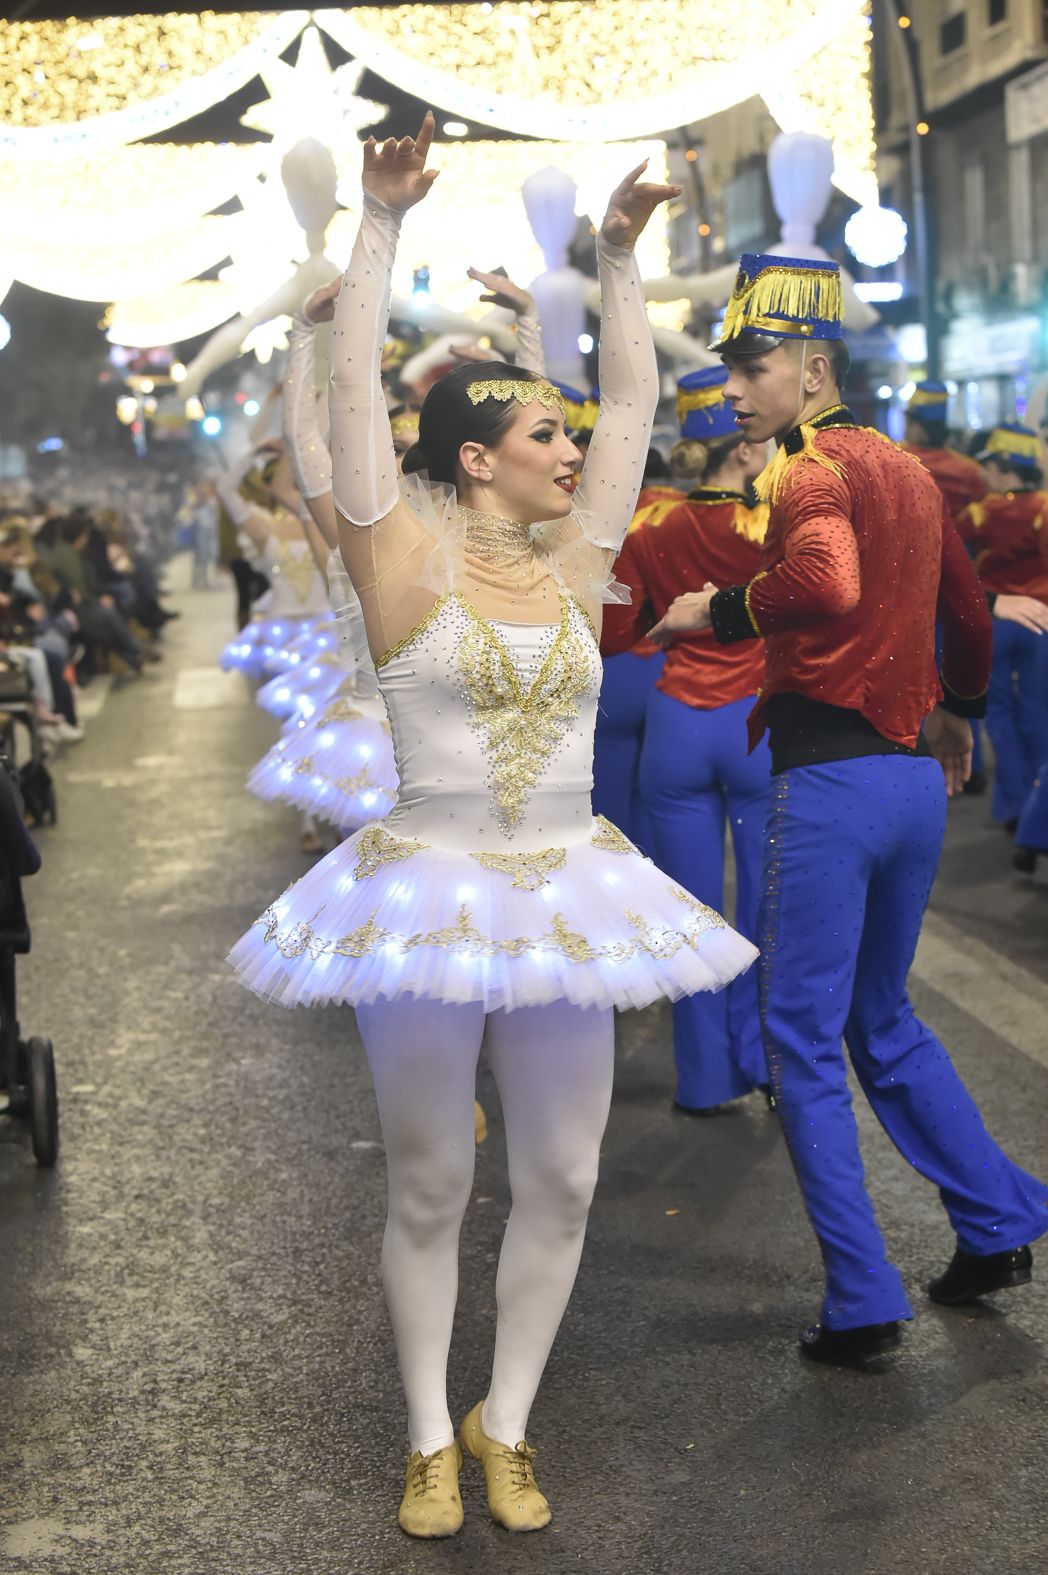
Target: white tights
553, 1067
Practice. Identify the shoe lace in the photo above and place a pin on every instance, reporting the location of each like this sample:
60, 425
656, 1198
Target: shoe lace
425, 1473
519, 1467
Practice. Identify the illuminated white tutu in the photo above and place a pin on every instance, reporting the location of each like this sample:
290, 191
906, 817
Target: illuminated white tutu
297, 692
594, 923
261, 643
322, 635
339, 766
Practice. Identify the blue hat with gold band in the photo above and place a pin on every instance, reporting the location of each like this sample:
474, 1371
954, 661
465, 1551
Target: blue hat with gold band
777, 298
702, 411
580, 410
1013, 444
929, 401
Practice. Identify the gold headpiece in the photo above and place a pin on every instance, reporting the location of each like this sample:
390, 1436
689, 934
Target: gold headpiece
525, 393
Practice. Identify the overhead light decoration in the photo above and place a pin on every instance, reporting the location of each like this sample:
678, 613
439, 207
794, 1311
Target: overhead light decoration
138, 74
509, 62
455, 128
5, 333
876, 236
126, 409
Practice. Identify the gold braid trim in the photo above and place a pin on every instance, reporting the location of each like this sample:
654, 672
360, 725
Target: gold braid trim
763, 575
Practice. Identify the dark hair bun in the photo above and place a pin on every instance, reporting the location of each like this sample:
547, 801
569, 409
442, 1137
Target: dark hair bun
415, 459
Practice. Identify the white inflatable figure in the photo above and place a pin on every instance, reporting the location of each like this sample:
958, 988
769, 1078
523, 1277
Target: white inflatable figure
800, 168
310, 182
561, 291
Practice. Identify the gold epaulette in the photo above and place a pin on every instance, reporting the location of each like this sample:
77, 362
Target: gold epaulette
752, 523
770, 482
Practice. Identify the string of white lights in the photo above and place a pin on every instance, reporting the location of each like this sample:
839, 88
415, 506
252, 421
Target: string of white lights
82, 130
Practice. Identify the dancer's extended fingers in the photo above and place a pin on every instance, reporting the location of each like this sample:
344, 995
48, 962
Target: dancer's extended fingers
424, 139
630, 180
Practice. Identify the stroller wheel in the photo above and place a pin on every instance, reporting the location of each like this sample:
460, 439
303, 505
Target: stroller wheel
43, 1101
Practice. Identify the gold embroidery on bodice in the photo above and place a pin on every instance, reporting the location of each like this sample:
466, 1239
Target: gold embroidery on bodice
520, 730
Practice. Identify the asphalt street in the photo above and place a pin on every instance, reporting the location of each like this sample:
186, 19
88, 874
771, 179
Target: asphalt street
198, 1376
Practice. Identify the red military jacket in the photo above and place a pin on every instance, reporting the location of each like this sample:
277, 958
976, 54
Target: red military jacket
958, 478
711, 536
653, 504
860, 557
1007, 536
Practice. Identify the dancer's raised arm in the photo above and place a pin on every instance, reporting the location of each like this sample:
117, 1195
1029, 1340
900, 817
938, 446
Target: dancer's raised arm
628, 373
307, 445
364, 472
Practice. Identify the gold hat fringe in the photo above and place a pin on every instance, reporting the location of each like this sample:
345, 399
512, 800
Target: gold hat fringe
769, 484
698, 399
1009, 443
796, 294
926, 396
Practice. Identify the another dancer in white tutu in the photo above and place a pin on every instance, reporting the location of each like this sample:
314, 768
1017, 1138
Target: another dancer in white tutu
489, 904
268, 517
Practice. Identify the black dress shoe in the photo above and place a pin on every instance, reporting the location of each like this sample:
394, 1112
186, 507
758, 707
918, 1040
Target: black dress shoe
1011, 826
971, 1276
849, 1347
704, 1110
975, 784
1025, 860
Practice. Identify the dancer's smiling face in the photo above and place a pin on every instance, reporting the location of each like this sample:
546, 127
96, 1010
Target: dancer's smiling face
526, 473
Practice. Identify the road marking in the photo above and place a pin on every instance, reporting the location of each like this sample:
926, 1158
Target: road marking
90, 701
205, 688
1006, 998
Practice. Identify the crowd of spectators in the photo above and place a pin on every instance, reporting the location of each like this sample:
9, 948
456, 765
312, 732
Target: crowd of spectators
82, 549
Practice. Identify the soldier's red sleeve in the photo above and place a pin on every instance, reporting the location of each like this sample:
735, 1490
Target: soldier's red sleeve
624, 626
967, 629
816, 578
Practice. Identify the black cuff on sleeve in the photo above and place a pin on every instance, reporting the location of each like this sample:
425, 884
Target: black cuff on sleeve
991, 599
730, 617
971, 706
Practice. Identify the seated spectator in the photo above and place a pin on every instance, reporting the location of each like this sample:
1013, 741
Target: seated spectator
101, 623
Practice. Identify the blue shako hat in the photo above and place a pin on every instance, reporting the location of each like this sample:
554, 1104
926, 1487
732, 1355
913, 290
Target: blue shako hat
1013, 444
580, 410
702, 411
777, 298
929, 401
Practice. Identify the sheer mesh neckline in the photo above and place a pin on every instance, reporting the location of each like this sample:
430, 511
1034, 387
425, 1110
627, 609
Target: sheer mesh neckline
493, 539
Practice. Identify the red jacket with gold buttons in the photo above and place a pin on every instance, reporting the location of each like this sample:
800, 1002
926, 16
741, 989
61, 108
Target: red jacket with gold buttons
710, 536
860, 557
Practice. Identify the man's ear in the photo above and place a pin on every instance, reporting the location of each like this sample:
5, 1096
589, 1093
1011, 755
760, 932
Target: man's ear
817, 372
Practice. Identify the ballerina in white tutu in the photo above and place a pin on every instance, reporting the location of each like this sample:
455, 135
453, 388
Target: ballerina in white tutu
264, 507
489, 904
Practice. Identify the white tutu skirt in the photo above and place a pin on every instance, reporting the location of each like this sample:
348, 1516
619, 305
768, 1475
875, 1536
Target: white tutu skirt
298, 691
338, 766
594, 923
261, 643
322, 635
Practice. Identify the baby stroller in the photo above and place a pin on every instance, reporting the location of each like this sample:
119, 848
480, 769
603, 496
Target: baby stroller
27, 1066
36, 786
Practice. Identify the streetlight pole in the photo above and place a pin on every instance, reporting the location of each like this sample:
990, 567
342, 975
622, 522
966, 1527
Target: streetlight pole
899, 21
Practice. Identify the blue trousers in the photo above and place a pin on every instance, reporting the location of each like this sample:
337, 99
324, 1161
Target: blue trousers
1016, 716
1033, 822
696, 778
621, 712
850, 854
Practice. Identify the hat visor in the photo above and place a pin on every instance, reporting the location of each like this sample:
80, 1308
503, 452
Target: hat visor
749, 342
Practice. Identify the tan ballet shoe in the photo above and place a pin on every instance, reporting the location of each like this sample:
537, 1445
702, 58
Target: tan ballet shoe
514, 1499
432, 1504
